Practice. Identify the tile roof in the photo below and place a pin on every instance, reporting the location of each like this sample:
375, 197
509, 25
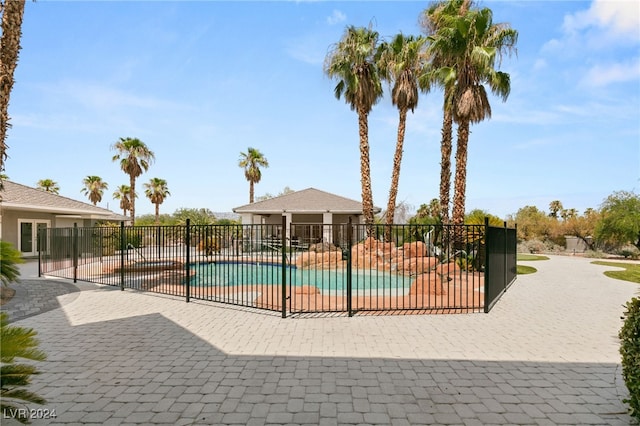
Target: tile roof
308, 200
21, 197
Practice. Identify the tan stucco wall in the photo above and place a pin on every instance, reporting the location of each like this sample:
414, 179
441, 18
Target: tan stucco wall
10, 229
10, 223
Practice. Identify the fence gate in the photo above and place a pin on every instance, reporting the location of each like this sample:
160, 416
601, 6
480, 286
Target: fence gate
501, 264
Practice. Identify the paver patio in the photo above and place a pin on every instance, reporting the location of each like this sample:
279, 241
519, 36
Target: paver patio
546, 354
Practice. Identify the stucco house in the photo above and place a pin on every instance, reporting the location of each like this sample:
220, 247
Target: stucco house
24, 210
306, 212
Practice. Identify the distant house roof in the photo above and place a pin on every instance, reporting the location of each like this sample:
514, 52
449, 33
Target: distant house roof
21, 197
308, 200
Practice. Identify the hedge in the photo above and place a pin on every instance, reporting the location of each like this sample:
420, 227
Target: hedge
630, 350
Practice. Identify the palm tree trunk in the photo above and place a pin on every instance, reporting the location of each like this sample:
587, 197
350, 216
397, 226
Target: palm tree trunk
461, 173
9, 49
250, 192
395, 175
365, 172
157, 213
445, 164
132, 194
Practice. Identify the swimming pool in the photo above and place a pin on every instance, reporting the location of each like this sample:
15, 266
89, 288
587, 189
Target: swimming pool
328, 281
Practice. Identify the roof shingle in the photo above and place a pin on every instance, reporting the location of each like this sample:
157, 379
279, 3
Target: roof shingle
308, 200
21, 197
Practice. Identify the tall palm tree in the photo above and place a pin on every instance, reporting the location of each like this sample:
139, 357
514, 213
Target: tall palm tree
135, 158
401, 63
12, 13
442, 74
472, 43
251, 161
123, 193
48, 185
352, 61
156, 190
94, 187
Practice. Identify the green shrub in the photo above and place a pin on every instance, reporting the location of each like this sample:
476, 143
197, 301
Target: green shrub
629, 252
110, 235
10, 257
17, 342
630, 350
133, 238
595, 254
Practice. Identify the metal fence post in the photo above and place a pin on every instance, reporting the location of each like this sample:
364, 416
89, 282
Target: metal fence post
504, 257
487, 255
40, 238
122, 248
284, 266
349, 277
74, 252
188, 260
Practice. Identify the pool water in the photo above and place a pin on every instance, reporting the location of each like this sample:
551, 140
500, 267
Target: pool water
328, 281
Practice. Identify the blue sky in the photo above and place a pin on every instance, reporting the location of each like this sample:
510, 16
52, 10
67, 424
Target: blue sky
200, 82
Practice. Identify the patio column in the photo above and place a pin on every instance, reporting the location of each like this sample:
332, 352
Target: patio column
327, 219
288, 224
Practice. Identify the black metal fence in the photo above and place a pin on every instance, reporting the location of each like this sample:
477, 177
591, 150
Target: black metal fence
302, 268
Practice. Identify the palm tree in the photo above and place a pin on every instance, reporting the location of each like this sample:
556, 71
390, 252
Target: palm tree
442, 74
94, 187
251, 161
472, 43
352, 62
401, 62
156, 191
554, 208
134, 157
12, 13
48, 185
123, 193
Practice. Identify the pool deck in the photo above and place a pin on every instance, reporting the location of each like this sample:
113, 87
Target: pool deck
546, 354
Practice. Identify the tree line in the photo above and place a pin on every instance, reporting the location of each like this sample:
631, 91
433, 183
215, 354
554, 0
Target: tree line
613, 227
134, 158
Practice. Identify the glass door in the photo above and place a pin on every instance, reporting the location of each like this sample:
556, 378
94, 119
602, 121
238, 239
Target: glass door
28, 235
26, 238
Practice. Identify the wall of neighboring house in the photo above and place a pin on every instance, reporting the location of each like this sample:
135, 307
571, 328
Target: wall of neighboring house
11, 219
575, 244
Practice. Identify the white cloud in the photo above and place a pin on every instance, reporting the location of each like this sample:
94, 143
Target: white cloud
603, 38
336, 17
516, 115
308, 49
621, 17
602, 75
100, 96
539, 64
535, 143
606, 25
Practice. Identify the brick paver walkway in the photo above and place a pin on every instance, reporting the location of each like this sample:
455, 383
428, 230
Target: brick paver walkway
546, 354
